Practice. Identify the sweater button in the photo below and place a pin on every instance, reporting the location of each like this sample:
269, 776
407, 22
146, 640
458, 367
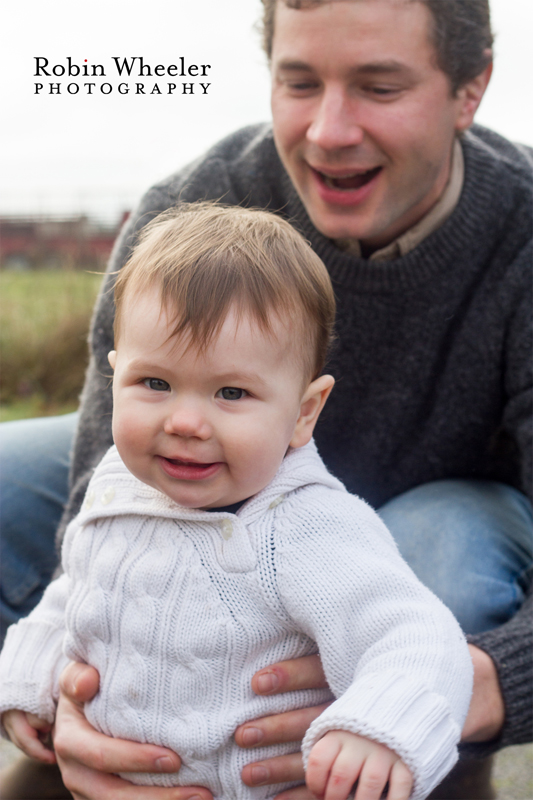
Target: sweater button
89, 500
227, 529
277, 501
107, 496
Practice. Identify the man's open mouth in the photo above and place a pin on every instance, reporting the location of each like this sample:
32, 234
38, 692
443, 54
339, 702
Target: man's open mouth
349, 182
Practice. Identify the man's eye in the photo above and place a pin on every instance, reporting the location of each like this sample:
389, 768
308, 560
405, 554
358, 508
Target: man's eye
383, 91
231, 393
156, 384
301, 86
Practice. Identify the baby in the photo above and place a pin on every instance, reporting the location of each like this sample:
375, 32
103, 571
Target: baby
213, 542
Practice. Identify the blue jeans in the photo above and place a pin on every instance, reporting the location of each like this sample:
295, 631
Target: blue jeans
469, 541
34, 464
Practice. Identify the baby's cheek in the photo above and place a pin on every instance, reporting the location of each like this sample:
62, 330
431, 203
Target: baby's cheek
131, 436
258, 463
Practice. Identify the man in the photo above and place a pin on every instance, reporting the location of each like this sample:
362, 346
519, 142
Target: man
425, 228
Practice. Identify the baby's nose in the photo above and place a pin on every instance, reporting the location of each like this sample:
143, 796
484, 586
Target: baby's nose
188, 421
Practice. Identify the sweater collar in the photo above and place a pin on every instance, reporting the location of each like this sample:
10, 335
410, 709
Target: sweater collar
114, 491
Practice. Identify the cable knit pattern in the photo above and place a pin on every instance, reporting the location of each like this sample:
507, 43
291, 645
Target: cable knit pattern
178, 608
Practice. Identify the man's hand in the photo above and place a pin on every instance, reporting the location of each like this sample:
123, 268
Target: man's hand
25, 731
486, 714
88, 759
286, 676
484, 721
341, 758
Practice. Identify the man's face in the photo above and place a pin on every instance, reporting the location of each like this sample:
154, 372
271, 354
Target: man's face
364, 119
205, 428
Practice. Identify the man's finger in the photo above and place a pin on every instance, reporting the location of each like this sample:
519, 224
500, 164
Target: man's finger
287, 727
100, 753
87, 785
79, 682
274, 770
289, 676
76, 740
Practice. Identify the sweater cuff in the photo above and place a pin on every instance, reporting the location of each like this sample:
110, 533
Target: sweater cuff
402, 714
511, 649
26, 697
29, 675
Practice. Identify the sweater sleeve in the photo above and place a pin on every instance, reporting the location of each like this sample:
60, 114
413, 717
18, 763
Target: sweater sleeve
517, 421
511, 649
32, 657
511, 645
394, 656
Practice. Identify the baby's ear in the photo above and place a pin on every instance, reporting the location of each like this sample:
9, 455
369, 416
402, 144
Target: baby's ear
112, 358
312, 404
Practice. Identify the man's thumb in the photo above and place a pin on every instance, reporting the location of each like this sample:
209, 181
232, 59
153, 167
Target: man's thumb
79, 682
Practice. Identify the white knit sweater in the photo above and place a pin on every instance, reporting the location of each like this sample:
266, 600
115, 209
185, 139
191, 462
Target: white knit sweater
178, 608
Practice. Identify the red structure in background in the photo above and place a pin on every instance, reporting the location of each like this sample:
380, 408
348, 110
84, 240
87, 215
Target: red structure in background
56, 243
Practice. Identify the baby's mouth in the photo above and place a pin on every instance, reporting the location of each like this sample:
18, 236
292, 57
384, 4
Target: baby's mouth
349, 182
189, 470
192, 464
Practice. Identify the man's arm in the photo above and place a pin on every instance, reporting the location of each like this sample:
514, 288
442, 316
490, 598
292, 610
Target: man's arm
510, 650
510, 646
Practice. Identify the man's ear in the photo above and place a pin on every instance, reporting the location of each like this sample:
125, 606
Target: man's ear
312, 404
112, 358
470, 96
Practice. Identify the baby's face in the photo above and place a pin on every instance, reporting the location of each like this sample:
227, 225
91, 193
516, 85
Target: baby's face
207, 429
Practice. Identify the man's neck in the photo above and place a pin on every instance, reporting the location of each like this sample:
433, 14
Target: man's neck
433, 219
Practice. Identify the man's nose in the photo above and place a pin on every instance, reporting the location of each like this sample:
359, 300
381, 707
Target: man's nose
188, 419
337, 121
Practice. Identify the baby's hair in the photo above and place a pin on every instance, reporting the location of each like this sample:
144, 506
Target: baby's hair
207, 257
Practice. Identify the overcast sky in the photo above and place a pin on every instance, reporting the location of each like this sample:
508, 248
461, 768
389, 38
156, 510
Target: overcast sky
97, 154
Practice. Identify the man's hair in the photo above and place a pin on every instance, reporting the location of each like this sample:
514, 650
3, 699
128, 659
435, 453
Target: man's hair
461, 34
206, 258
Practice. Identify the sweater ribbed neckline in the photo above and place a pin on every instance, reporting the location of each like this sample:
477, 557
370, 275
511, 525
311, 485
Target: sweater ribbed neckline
433, 257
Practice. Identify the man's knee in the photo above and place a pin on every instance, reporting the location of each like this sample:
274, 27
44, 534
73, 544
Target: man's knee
34, 461
470, 541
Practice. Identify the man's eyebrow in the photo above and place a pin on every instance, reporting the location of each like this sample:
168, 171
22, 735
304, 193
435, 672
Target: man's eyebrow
288, 65
372, 68
378, 67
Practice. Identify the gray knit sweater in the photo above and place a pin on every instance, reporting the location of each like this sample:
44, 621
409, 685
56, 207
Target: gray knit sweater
433, 359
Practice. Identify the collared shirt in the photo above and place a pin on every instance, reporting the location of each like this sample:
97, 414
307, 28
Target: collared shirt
435, 217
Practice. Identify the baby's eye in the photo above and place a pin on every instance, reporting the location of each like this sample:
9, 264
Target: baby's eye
231, 393
156, 384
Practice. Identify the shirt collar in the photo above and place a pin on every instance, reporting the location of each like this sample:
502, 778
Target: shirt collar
435, 217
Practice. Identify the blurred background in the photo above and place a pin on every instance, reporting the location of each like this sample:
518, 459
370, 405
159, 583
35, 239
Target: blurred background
74, 165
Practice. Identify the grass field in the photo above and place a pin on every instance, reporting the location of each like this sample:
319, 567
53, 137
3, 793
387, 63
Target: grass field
44, 320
